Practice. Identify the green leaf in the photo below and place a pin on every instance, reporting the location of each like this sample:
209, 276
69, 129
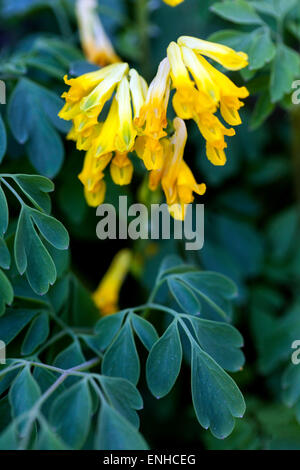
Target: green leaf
116, 433
121, 358
3, 139
71, 414
23, 394
262, 49
3, 213
6, 294
221, 341
53, 230
164, 362
70, 357
14, 321
106, 329
184, 296
32, 256
31, 121
8, 439
214, 288
276, 8
262, 111
237, 11
7, 378
36, 187
124, 397
4, 255
216, 398
36, 335
284, 70
48, 440
145, 331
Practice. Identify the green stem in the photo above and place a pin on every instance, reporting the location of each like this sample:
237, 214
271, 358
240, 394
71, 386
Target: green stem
12, 190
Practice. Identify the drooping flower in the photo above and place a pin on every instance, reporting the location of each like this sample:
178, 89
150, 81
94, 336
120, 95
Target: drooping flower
152, 119
121, 169
115, 113
201, 90
175, 176
106, 296
173, 3
95, 42
106, 138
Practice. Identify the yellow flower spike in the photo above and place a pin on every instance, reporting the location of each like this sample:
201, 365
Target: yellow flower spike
95, 43
224, 55
106, 296
126, 134
138, 89
200, 74
150, 151
153, 114
93, 103
173, 3
121, 169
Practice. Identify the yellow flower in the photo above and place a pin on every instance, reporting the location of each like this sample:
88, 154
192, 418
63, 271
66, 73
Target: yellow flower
126, 90
176, 178
150, 151
201, 90
224, 55
125, 135
173, 3
92, 178
95, 43
153, 114
152, 118
107, 294
121, 169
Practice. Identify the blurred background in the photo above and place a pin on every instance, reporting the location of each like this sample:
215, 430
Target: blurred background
251, 203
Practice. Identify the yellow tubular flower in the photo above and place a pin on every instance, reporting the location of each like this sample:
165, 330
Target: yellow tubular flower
107, 294
95, 43
126, 134
153, 114
173, 3
121, 169
96, 196
201, 90
93, 103
150, 151
224, 55
152, 118
138, 90
176, 178
104, 140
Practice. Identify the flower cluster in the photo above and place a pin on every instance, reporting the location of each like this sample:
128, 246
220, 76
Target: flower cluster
103, 106
115, 113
